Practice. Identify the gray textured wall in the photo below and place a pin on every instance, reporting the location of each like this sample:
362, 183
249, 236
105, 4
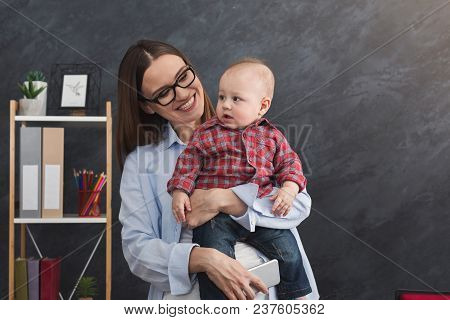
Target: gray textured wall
379, 146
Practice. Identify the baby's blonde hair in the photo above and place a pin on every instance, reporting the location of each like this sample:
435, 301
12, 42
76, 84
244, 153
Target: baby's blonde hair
265, 74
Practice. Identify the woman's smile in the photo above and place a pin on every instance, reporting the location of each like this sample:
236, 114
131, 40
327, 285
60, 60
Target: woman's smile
189, 105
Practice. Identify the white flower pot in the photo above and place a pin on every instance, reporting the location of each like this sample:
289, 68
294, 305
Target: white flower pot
31, 107
34, 107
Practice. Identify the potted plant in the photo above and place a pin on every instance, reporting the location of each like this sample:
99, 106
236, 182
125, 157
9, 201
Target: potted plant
34, 90
87, 288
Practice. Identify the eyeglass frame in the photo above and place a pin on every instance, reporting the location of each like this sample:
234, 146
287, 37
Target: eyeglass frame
155, 100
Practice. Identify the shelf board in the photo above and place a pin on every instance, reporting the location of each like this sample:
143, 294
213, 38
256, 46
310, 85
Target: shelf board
60, 118
67, 218
66, 121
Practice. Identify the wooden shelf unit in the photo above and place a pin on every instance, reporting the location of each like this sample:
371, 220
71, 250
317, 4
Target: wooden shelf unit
105, 218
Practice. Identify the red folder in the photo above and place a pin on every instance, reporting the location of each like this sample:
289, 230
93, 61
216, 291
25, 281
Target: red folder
50, 278
421, 295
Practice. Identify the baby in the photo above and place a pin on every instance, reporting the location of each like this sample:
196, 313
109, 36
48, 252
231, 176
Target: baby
235, 147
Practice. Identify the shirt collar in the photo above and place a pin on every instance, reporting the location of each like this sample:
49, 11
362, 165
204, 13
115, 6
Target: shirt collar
171, 137
211, 122
215, 120
259, 121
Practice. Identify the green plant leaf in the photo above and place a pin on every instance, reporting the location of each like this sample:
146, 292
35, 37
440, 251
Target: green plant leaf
22, 88
31, 88
38, 91
35, 76
40, 76
87, 287
25, 91
30, 91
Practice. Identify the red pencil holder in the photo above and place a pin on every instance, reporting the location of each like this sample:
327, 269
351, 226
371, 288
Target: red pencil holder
89, 203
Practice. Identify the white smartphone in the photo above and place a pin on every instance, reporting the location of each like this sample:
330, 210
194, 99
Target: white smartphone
268, 272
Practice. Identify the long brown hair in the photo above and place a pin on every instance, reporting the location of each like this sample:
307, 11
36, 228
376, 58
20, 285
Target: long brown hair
136, 127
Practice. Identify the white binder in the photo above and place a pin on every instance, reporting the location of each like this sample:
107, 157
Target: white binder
30, 172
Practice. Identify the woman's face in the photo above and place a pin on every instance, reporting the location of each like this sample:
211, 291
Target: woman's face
188, 105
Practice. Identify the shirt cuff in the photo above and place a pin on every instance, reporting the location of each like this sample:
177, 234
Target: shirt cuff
188, 191
247, 220
300, 180
180, 280
248, 194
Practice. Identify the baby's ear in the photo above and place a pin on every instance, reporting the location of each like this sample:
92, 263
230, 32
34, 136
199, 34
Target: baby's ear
265, 105
145, 106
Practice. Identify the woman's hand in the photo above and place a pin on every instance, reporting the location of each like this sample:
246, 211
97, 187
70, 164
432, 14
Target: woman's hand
206, 204
227, 274
232, 278
203, 208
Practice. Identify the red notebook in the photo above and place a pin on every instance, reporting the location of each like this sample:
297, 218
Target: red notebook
50, 278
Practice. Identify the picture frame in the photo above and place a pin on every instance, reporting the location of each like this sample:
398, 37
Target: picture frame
74, 89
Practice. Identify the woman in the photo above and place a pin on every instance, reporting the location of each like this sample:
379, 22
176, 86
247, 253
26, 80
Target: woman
161, 102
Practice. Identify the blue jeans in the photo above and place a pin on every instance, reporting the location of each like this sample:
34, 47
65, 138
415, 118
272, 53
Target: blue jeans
222, 232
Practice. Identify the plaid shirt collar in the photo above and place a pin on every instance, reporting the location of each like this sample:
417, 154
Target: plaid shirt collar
215, 120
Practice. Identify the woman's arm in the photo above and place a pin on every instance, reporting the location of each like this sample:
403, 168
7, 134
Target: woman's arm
206, 204
153, 260
259, 210
242, 204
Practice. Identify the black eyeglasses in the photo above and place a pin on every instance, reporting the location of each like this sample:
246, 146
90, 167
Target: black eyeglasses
167, 95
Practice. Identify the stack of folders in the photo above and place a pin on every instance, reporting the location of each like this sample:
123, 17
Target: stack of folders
37, 279
41, 172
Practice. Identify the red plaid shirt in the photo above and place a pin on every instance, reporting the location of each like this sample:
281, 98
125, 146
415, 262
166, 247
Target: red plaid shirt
219, 157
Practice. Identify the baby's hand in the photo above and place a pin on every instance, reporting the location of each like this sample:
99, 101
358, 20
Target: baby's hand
284, 198
180, 202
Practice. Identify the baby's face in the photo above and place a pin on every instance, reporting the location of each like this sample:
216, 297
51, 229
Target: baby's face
240, 97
